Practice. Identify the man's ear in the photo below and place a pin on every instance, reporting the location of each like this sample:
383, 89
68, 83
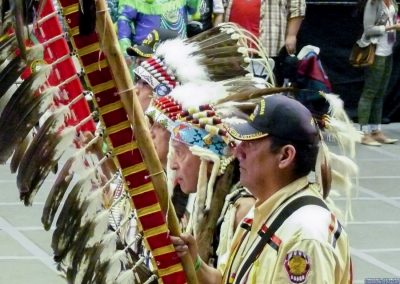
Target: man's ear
287, 156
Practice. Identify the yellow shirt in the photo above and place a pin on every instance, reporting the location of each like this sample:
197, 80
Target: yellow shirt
310, 246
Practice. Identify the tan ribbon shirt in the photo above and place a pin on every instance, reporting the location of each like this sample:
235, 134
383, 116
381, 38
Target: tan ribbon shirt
310, 247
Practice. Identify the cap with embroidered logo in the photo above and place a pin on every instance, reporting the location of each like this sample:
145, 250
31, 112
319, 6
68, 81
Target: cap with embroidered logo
279, 116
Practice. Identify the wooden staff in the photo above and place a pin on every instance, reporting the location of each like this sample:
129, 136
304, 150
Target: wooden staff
110, 47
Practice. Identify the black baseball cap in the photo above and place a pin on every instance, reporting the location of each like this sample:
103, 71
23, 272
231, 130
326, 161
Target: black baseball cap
150, 43
278, 116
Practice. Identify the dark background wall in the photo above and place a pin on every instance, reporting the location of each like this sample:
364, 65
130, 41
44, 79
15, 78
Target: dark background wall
334, 26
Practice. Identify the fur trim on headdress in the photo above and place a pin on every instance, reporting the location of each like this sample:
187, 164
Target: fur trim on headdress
198, 93
179, 57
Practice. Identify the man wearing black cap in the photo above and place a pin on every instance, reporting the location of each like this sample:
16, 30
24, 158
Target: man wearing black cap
290, 236
144, 51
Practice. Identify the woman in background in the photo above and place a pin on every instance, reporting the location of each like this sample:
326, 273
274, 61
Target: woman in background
380, 26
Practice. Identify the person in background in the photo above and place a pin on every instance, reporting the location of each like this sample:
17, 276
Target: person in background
380, 26
275, 23
137, 18
209, 14
144, 51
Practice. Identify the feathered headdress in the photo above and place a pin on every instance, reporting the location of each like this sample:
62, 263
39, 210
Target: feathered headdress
224, 52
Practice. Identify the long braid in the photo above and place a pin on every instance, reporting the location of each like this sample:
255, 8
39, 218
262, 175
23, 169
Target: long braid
222, 187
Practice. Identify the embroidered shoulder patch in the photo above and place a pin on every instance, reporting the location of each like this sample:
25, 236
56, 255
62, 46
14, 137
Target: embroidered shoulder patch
297, 265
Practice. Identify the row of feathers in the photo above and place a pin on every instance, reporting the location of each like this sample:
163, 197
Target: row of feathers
90, 242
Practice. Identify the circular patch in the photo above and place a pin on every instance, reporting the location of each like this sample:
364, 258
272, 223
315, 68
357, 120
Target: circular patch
37, 64
297, 265
162, 90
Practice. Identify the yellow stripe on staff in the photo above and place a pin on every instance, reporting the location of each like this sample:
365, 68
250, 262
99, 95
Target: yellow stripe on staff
148, 210
74, 31
71, 9
141, 189
163, 250
96, 66
170, 270
118, 127
110, 107
103, 87
134, 169
125, 148
155, 231
89, 49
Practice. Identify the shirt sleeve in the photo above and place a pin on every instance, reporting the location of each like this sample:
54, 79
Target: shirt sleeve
126, 26
296, 8
306, 261
370, 28
218, 7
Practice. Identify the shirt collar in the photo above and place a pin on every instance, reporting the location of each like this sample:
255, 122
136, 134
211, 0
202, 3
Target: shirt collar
265, 209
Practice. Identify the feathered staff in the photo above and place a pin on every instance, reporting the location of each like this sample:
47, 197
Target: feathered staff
124, 83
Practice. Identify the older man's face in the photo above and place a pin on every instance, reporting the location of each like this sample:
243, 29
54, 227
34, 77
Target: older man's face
186, 167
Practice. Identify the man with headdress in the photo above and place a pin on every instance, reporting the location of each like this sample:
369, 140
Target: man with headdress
144, 51
290, 236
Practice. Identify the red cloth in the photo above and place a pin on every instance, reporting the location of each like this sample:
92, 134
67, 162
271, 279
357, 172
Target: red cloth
63, 70
246, 13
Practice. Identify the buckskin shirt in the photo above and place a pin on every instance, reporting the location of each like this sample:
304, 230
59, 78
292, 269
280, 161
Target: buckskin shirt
310, 246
